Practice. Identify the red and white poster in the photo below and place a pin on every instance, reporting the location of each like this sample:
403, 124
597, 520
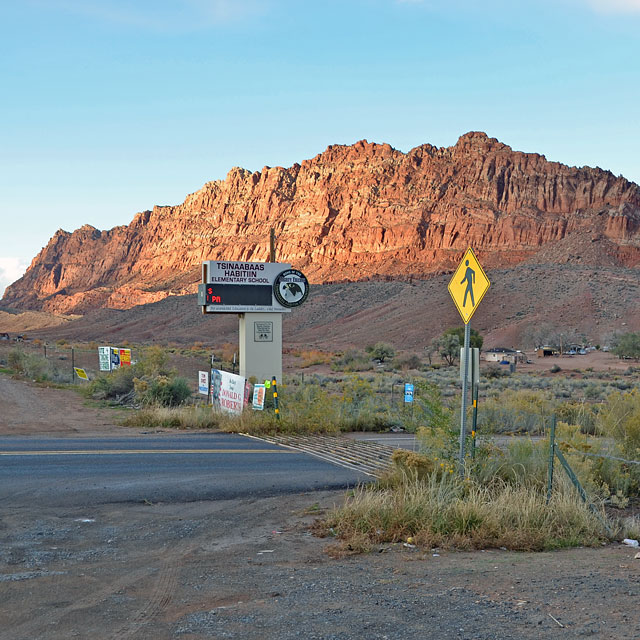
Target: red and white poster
227, 391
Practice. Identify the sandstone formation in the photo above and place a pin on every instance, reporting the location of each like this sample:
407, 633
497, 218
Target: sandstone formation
364, 211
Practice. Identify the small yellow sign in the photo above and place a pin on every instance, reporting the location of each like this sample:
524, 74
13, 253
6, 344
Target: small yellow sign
81, 373
468, 285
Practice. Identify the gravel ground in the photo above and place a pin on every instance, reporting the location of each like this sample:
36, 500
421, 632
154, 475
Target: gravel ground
251, 569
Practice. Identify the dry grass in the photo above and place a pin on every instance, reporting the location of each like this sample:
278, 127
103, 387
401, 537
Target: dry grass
174, 417
442, 510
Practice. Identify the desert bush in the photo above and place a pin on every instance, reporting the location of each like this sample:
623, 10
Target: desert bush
154, 362
313, 357
30, 365
381, 351
601, 475
352, 360
406, 362
523, 463
578, 413
619, 419
627, 346
164, 391
149, 381
444, 510
114, 384
513, 411
410, 466
15, 360
493, 371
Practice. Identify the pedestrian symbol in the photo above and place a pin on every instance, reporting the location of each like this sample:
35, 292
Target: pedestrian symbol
468, 285
470, 278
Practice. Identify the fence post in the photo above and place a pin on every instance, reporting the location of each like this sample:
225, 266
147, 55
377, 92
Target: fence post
552, 450
275, 397
73, 365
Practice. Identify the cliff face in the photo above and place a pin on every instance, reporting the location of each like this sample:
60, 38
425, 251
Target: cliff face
351, 213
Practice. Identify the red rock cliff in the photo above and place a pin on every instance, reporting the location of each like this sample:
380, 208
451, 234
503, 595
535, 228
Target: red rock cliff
352, 212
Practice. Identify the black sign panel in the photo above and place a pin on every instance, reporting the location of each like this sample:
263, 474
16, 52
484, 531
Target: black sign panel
238, 294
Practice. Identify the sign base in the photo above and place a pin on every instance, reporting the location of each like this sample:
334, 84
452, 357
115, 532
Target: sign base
261, 346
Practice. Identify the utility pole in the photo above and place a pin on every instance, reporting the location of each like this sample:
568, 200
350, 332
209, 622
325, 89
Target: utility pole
272, 245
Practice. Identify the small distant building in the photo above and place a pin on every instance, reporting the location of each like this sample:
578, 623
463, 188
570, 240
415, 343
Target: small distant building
4, 336
545, 352
503, 355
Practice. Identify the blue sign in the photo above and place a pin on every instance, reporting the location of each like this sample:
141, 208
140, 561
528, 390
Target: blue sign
408, 392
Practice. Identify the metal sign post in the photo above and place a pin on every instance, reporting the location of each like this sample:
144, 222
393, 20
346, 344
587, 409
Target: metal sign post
463, 408
467, 287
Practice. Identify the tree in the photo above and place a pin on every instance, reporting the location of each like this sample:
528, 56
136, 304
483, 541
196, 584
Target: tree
627, 345
448, 347
475, 339
381, 351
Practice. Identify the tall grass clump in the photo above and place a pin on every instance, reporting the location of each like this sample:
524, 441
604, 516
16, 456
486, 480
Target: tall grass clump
444, 510
185, 417
515, 411
619, 419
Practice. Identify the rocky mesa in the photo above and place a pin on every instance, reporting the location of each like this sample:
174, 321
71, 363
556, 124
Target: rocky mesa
356, 212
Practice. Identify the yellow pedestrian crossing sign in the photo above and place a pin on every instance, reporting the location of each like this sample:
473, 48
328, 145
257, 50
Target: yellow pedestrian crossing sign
468, 285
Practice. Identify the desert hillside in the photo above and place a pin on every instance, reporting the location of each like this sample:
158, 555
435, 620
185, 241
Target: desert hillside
590, 301
352, 213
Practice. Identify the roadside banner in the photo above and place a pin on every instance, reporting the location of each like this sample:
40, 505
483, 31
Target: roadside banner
227, 391
203, 382
115, 358
247, 393
125, 357
104, 357
259, 392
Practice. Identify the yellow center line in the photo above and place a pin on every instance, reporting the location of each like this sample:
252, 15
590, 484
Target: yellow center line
115, 452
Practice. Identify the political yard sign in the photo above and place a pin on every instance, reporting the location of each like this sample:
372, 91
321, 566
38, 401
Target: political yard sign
227, 391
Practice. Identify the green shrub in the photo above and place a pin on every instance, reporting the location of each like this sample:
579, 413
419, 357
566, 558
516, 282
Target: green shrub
515, 411
29, 365
578, 413
114, 384
619, 419
406, 362
352, 360
165, 392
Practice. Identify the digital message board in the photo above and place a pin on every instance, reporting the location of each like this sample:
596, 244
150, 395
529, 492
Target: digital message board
240, 287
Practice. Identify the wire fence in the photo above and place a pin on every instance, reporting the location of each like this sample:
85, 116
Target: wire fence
57, 362
604, 455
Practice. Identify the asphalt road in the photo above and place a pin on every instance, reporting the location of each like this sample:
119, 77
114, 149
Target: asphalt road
167, 468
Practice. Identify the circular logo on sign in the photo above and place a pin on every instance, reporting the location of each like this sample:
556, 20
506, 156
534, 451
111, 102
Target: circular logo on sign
291, 288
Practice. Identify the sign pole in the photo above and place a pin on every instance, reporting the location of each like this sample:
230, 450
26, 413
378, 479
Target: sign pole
467, 286
463, 407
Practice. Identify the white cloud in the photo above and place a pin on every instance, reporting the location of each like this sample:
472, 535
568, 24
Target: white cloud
10, 270
616, 6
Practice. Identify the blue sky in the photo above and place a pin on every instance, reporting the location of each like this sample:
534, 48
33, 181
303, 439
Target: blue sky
109, 107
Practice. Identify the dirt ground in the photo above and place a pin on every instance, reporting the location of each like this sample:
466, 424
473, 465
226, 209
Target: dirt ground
596, 360
27, 409
250, 568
